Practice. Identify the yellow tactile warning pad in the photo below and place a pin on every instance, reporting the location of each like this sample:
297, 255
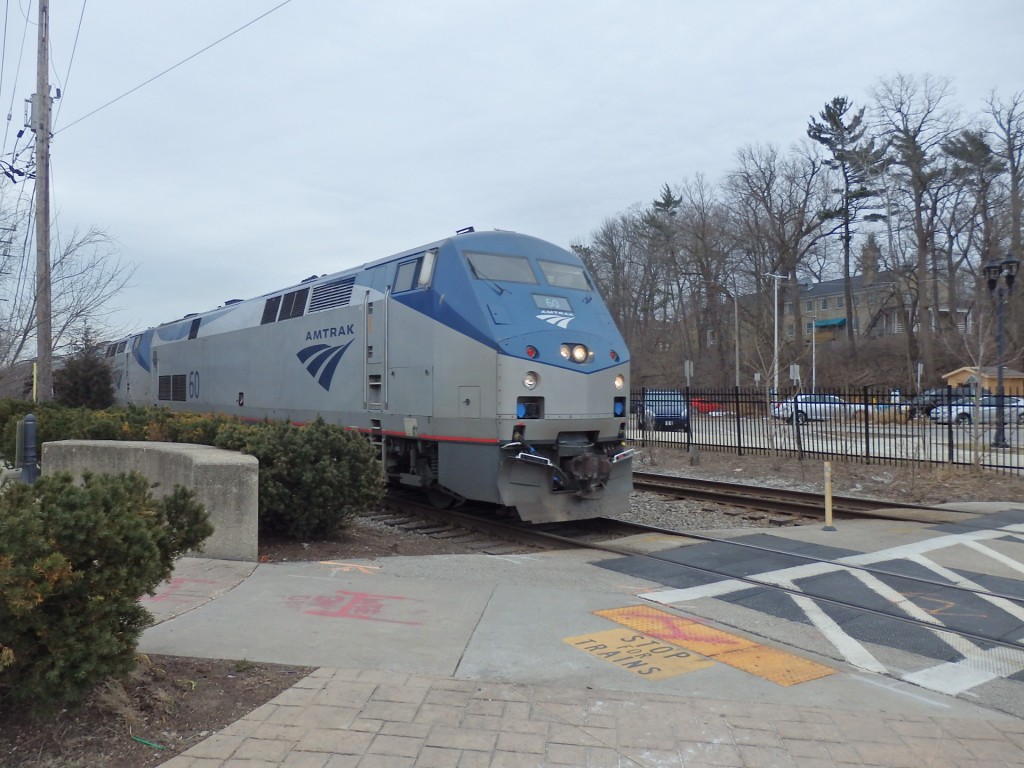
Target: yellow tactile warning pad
769, 663
641, 654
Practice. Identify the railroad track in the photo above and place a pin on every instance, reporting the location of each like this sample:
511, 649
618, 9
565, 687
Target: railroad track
784, 500
479, 530
484, 533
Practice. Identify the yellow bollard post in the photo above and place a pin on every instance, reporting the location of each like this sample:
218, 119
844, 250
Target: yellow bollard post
828, 497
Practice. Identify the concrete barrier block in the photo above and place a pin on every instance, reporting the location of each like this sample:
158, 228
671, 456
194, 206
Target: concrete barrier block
225, 482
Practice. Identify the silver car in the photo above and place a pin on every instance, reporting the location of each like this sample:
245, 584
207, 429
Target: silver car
965, 411
815, 407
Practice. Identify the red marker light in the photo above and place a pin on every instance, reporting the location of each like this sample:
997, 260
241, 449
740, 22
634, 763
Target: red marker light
531, 352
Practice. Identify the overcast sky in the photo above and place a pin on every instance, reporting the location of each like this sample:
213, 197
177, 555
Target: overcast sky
333, 132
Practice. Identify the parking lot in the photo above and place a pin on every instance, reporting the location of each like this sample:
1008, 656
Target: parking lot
865, 433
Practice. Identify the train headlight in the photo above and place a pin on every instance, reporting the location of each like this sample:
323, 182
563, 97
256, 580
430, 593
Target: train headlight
531, 380
620, 382
578, 353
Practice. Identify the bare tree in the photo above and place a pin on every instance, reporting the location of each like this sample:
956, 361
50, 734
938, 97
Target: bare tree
705, 254
85, 272
633, 286
1008, 141
774, 203
1008, 117
912, 120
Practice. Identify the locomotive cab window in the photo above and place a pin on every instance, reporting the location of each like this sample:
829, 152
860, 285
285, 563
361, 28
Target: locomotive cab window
492, 266
415, 273
406, 276
561, 275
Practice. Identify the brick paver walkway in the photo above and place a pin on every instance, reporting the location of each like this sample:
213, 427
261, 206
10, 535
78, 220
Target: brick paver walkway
351, 719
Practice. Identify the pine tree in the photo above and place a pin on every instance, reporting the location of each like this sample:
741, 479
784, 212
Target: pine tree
85, 380
856, 160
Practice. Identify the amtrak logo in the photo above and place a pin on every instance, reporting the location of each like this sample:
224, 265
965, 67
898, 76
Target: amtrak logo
321, 360
561, 320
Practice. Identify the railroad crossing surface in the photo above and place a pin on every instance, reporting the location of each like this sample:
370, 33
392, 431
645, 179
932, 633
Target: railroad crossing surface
581, 658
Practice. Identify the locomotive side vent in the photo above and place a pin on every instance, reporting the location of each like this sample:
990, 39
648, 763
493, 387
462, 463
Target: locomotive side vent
293, 304
336, 293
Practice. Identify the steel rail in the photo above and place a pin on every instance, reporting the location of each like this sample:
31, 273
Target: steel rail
788, 500
937, 628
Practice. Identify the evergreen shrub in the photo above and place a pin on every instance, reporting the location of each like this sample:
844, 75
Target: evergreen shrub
85, 380
74, 561
312, 478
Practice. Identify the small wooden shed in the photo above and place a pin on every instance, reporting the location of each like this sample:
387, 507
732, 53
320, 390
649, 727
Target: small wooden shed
987, 377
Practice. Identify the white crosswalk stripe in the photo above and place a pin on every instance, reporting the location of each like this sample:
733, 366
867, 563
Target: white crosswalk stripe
977, 665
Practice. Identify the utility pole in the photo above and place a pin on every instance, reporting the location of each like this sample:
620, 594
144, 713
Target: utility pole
41, 103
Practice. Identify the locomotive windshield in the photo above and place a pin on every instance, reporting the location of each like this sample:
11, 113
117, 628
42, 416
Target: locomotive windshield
492, 266
561, 275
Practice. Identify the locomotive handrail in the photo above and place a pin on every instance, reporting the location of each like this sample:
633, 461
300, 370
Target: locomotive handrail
623, 455
533, 458
366, 342
384, 388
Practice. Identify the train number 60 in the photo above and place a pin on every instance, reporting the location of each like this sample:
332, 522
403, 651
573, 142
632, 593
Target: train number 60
193, 384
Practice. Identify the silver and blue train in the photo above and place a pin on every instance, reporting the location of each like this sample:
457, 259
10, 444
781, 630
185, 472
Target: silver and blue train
485, 366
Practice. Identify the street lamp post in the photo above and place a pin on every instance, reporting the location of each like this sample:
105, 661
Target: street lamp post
1007, 270
775, 347
736, 330
814, 353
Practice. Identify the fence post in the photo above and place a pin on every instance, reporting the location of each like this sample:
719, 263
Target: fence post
641, 422
689, 420
867, 428
739, 422
949, 424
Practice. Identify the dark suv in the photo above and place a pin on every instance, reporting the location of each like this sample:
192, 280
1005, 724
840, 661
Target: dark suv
661, 410
922, 404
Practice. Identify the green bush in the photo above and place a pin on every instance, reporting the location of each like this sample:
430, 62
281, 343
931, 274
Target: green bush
74, 561
85, 380
312, 478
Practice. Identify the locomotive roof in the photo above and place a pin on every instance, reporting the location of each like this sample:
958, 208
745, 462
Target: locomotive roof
483, 238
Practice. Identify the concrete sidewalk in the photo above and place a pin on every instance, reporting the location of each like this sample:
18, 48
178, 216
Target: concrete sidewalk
473, 660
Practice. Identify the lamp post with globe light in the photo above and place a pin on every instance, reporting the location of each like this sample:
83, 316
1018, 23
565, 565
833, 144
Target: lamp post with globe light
993, 271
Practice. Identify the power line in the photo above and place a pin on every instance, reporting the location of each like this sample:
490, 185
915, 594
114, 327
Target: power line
175, 66
74, 47
17, 73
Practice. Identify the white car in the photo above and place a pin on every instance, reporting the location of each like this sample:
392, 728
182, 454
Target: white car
964, 411
815, 407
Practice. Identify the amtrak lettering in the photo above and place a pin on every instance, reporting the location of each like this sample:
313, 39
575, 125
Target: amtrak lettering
330, 333
561, 319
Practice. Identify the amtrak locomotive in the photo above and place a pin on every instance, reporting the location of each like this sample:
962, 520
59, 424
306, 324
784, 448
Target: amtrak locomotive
485, 366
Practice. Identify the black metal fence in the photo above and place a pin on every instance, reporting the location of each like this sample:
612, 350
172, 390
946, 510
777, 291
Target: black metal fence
868, 425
